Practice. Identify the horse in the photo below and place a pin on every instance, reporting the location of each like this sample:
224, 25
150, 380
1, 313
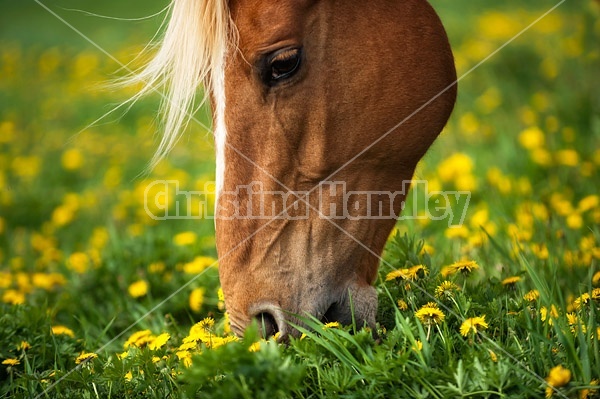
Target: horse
313, 103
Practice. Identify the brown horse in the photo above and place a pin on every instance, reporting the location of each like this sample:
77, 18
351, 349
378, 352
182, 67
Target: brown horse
305, 94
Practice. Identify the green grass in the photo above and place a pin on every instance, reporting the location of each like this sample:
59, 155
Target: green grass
84, 270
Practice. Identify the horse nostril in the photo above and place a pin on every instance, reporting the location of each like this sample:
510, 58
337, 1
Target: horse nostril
267, 324
270, 319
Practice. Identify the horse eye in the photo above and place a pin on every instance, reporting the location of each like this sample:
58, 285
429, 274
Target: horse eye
282, 65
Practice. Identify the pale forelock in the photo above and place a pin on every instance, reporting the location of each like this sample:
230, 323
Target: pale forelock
191, 54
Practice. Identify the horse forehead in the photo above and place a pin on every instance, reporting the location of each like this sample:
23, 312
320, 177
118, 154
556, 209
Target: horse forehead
262, 23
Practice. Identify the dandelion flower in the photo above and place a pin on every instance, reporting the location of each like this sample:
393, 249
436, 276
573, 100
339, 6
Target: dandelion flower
198, 264
583, 299
11, 362
185, 357
465, 267
24, 345
255, 347
473, 324
430, 314
544, 314
72, 159
201, 331
196, 299
532, 138
589, 202
62, 330
417, 346
84, 357
138, 339
128, 376
510, 281
138, 289
159, 341
446, 289
396, 274
532, 296
574, 323
402, 305
417, 271
596, 278
557, 377
332, 324
585, 393
185, 238
13, 297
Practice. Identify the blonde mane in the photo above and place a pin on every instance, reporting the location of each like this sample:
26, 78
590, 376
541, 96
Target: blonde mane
191, 54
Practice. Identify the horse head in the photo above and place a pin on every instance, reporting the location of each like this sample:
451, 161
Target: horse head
311, 100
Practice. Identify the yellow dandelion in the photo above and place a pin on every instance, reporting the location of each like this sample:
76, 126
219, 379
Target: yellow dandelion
198, 264
596, 294
156, 267
159, 341
567, 157
72, 159
332, 324
493, 356
446, 289
24, 345
187, 346
585, 393
532, 296
402, 305
583, 299
557, 377
10, 362
574, 221
417, 271
196, 299
62, 330
255, 347
417, 346
397, 274
122, 355
430, 314
201, 331
465, 267
473, 324
544, 314
216, 342
138, 289
128, 376
13, 297
588, 203
510, 281
85, 357
79, 262
574, 323
532, 138
138, 339
596, 278
185, 238
185, 357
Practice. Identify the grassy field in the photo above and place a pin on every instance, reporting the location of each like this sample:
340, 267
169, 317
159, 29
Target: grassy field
99, 300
